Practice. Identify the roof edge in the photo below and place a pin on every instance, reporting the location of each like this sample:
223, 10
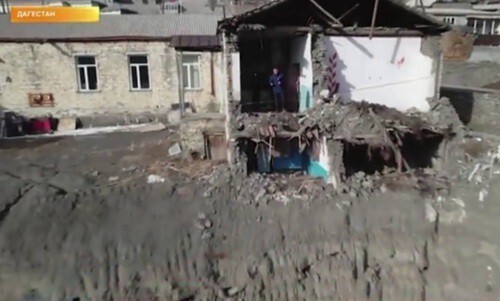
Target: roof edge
83, 40
442, 27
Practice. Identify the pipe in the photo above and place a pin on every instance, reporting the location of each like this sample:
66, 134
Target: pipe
181, 81
212, 72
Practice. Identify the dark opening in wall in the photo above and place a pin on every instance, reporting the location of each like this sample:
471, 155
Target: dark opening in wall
247, 152
417, 150
258, 57
283, 157
366, 158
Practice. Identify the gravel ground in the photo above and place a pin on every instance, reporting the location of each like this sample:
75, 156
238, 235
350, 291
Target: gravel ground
79, 221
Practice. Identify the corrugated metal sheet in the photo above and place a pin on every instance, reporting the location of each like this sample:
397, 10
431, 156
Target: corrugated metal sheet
396, 6
195, 42
112, 27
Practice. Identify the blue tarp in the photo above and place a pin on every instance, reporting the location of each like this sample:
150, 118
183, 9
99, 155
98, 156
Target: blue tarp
293, 162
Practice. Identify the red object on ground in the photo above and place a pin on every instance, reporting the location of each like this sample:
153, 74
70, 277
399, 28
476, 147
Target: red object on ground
40, 126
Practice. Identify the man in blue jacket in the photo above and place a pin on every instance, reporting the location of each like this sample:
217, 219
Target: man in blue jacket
276, 81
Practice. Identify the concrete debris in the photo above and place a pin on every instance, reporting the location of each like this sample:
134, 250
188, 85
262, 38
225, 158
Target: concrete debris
206, 235
481, 169
130, 168
153, 179
482, 194
231, 292
430, 213
476, 168
203, 223
451, 210
175, 150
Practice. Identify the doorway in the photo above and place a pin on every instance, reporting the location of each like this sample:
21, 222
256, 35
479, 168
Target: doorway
293, 88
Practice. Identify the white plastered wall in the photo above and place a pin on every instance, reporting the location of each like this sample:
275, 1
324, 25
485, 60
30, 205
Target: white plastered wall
391, 71
301, 54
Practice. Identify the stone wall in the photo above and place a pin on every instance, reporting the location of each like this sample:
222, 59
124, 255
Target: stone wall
192, 132
50, 68
479, 111
208, 98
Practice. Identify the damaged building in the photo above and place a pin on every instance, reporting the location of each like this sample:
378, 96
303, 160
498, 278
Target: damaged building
350, 71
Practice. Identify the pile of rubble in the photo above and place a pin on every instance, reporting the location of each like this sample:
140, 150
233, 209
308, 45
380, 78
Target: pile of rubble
261, 189
341, 120
480, 170
427, 182
359, 119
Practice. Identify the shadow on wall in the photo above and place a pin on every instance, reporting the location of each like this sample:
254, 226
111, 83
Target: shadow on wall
394, 55
344, 88
462, 102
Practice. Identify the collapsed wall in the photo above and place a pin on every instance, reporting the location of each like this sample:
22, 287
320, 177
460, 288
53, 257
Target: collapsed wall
352, 137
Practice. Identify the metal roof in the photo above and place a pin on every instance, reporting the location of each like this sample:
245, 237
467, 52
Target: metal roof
195, 42
111, 27
418, 17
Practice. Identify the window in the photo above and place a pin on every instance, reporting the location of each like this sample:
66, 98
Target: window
449, 20
87, 73
191, 71
171, 7
139, 72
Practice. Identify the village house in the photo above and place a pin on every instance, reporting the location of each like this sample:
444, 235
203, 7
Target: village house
129, 67
381, 52
483, 20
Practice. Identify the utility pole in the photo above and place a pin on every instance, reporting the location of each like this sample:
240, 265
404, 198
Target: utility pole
212, 4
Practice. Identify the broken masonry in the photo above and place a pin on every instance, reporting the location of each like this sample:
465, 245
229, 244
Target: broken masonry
336, 140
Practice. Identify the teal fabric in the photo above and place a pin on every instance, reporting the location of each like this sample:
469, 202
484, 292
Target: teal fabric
316, 170
305, 101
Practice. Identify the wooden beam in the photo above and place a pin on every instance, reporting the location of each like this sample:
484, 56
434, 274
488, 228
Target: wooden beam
316, 4
290, 135
365, 31
374, 17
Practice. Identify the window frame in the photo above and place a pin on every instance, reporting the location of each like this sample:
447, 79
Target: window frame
171, 7
77, 65
198, 63
449, 20
137, 65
